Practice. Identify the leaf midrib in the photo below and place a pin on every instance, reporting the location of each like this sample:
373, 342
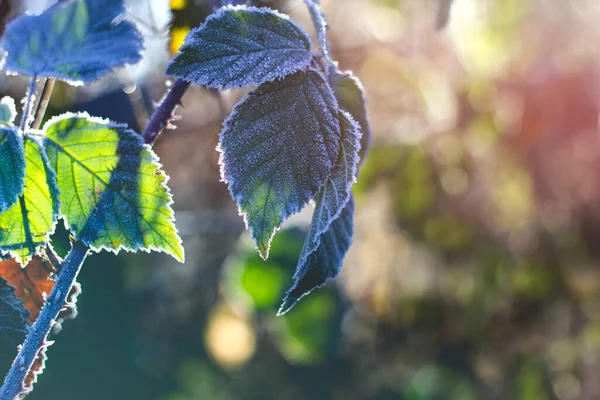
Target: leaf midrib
85, 167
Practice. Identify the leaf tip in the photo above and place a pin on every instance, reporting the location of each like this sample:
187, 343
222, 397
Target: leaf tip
263, 250
179, 254
287, 304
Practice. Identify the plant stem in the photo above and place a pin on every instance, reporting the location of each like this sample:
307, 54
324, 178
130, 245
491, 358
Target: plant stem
163, 114
28, 102
13, 383
43, 103
318, 20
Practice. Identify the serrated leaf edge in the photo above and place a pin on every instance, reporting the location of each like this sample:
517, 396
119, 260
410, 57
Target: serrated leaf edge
263, 252
154, 160
354, 170
56, 204
229, 8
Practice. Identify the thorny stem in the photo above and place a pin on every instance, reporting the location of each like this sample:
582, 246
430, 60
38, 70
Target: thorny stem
36, 338
28, 102
163, 114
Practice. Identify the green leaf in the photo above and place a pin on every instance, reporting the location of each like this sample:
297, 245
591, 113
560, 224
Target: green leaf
12, 167
8, 110
28, 223
113, 191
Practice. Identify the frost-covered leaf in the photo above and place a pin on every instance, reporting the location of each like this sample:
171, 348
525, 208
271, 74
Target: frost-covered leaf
12, 166
216, 4
326, 261
278, 146
333, 196
32, 283
26, 225
350, 95
330, 202
239, 46
77, 41
13, 315
113, 191
8, 110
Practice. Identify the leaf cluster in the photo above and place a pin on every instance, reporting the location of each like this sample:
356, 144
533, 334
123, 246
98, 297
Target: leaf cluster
297, 136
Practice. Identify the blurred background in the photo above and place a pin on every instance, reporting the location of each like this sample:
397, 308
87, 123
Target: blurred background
474, 272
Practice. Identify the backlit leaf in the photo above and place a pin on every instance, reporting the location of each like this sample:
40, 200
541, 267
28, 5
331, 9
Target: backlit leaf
8, 111
239, 46
335, 194
77, 41
12, 167
31, 283
326, 261
277, 148
350, 95
113, 191
26, 225
315, 267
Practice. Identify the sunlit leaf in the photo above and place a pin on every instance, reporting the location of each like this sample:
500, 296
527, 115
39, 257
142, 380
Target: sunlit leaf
31, 283
77, 41
113, 191
12, 166
239, 46
350, 95
325, 262
27, 224
278, 147
8, 110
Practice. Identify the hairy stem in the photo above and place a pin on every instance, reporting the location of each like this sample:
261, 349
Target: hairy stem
43, 103
163, 114
318, 20
13, 383
28, 102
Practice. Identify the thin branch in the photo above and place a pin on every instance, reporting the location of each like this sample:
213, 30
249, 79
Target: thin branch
318, 19
43, 103
13, 383
136, 99
164, 113
30, 97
